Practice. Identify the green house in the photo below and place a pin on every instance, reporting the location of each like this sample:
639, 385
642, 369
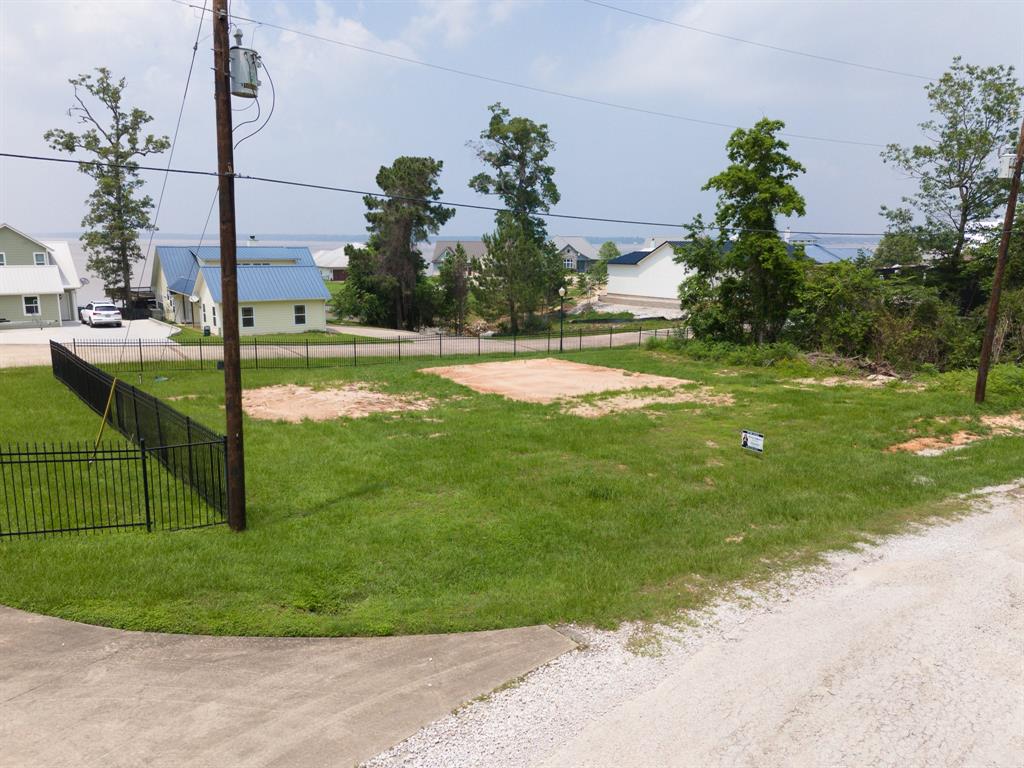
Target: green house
38, 281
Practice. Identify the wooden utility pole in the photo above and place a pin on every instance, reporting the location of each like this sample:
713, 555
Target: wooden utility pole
228, 269
997, 281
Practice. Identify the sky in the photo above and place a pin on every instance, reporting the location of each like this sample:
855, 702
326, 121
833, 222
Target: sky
340, 113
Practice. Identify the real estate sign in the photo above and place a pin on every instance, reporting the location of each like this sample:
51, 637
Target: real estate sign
752, 441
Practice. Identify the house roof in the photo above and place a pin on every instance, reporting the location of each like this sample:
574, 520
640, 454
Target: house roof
475, 249
60, 251
635, 257
580, 244
299, 280
335, 258
30, 281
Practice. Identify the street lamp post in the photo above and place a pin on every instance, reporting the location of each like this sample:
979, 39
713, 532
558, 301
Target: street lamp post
561, 316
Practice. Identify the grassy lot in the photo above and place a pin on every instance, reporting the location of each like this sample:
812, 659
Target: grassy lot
191, 334
483, 513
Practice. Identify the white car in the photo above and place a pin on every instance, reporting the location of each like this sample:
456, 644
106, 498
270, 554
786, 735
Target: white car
101, 313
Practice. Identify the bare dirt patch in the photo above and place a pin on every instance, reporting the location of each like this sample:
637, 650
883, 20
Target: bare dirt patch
873, 381
292, 403
998, 426
546, 380
632, 402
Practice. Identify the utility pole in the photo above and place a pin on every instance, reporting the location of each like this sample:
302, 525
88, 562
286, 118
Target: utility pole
228, 269
997, 281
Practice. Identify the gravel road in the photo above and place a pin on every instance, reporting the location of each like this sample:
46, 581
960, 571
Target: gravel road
906, 653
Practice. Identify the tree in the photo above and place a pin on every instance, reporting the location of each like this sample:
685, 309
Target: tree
975, 112
397, 222
838, 309
454, 279
116, 209
607, 252
747, 277
523, 271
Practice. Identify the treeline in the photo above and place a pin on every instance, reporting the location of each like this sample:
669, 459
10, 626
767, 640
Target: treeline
517, 279
920, 298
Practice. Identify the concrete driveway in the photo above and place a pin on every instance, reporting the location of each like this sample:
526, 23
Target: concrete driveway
78, 695
135, 329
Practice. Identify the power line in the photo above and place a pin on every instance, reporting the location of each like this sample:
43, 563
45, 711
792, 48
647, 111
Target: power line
403, 198
777, 48
533, 88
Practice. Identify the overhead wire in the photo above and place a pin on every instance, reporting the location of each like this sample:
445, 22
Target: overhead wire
768, 46
533, 88
447, 203
167, 169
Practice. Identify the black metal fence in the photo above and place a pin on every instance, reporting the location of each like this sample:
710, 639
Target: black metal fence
163, 355
73, 487
172, 478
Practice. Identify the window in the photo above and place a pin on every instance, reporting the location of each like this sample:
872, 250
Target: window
204, 314
568, 263
300, 314
40, 259
3, 259
214, 315
31, 305
248, 317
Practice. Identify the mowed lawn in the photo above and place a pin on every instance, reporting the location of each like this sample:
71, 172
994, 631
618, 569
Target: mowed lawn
483, 513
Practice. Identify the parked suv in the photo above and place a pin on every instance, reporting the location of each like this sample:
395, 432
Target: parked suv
101, 313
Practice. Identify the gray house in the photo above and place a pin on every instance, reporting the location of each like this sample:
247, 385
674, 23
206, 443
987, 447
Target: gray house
577, 253
38, 280
474, 249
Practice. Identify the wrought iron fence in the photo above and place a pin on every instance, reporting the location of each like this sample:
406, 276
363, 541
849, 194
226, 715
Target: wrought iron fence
72, 487
199, 354
173, 477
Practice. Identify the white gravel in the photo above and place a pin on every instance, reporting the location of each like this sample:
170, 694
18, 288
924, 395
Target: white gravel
908, 652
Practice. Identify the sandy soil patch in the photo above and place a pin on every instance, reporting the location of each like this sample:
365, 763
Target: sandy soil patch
873, 381
289, 402
999, 426
629, 402
546, 380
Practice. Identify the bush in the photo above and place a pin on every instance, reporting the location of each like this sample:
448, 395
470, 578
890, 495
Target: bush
757, 355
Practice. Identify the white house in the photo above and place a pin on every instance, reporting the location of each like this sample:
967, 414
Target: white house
333, 263
38, 280
279, 289
648, 277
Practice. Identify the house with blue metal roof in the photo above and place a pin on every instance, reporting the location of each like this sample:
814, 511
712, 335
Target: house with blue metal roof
280, 290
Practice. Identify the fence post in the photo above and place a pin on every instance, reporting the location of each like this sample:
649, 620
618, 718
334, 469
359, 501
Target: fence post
200, 353
549, 341
188, 435
440, 345
514, 337
398, 341
355, 351
581, 339
307, 353
142, 365
255, 352
640, 337
145, 483
74, 346
609, 338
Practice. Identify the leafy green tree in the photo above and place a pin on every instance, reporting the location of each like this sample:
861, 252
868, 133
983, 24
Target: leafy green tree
747, 277
523, 271
399, 221
607, 252
839, 305
366, 293
975, 111
114, 139
455, 287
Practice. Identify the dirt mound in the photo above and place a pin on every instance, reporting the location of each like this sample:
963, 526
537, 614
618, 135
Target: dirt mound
289, 402
1009, 424
546, 380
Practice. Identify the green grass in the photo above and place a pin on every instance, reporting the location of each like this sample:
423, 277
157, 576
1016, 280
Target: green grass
187, 333
484, 513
